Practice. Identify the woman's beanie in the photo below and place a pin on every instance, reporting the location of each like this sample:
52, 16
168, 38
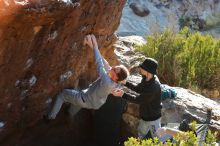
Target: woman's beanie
150, 65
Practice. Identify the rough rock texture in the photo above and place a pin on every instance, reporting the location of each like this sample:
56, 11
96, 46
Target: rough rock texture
41, 53
187, 103
166, 13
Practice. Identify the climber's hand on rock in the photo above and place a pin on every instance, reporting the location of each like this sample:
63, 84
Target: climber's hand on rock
94, 41
88, 41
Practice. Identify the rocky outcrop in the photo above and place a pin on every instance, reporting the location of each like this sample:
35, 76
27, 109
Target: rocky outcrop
198, 15
187, 104
41, 53
139, 10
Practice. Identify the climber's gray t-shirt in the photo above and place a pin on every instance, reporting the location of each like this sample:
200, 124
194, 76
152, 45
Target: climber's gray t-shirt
98, 91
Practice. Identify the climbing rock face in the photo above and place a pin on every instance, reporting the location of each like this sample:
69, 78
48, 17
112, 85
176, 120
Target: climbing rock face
42, 52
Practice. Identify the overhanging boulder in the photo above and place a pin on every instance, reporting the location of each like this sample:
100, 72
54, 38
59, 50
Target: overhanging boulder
41, 52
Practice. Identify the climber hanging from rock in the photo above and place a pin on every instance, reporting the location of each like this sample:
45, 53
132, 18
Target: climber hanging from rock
96, 94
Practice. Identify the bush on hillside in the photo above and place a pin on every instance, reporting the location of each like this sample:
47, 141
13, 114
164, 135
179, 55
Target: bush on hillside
185, 139
185, 59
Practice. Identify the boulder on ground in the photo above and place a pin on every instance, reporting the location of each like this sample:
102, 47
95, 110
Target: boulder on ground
139, 10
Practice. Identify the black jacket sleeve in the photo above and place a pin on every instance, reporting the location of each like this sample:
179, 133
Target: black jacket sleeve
133, 87
138, 99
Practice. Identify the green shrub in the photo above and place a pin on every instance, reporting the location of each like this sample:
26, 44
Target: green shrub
184, 139
185, 59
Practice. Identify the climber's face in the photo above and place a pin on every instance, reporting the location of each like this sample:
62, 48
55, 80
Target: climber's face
113, 73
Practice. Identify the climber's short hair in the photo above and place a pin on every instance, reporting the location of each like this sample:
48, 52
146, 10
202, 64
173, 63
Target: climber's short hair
123, 73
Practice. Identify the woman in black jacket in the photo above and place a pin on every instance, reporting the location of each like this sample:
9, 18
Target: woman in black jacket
149, 98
